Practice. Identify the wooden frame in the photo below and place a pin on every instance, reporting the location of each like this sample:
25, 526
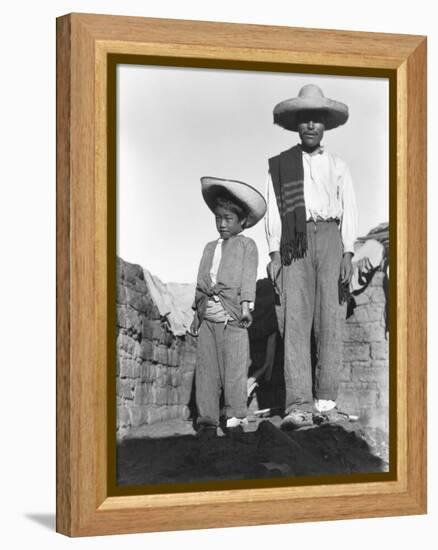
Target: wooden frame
84, 43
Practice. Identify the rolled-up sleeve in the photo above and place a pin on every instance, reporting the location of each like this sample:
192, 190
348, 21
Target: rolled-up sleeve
349, 228
249, 272
272, 218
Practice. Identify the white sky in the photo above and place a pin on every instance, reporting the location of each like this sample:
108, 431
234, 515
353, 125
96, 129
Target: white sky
178, 124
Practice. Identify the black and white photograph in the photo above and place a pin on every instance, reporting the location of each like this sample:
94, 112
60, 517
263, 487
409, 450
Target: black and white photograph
218, 227
252, 220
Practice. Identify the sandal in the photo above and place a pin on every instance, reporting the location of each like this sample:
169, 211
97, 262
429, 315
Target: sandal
297, 419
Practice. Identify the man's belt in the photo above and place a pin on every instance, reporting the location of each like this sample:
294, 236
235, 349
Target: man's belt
324, 220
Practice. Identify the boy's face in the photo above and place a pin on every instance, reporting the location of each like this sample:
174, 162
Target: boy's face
311, 126
227, 222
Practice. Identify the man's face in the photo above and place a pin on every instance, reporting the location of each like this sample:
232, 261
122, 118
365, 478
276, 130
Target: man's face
311, 126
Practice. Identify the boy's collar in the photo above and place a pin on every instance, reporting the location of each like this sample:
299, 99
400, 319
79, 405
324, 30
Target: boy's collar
220, 239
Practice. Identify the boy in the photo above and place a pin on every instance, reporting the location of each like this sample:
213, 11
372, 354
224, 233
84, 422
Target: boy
225, 291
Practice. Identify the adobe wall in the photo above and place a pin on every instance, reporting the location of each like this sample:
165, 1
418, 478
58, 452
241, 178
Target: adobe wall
365, 376
155, 368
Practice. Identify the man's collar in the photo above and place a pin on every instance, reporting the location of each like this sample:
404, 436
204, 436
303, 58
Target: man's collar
318, 151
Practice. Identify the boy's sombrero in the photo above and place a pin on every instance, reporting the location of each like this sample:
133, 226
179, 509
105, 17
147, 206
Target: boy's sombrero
252, 201
310, 98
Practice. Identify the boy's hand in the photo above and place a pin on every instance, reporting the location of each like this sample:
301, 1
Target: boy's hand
246, 317
194, 327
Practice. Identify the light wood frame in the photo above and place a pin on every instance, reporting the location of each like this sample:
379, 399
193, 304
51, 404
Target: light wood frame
84, 42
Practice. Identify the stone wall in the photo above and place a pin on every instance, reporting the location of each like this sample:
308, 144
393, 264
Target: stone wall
154, 367
365, 377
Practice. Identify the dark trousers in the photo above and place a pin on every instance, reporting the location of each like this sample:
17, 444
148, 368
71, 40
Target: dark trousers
222, 364
309, 297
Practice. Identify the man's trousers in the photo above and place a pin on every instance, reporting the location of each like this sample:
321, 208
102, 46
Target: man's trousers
309, 298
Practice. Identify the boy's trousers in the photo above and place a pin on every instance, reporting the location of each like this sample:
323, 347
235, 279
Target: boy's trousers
222, 363
309, 297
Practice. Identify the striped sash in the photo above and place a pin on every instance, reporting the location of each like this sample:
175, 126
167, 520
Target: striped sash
287, 175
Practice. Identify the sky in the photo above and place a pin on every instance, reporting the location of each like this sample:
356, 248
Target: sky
175, 125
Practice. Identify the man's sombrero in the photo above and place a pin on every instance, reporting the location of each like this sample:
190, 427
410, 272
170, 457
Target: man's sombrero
244, 194
310, 98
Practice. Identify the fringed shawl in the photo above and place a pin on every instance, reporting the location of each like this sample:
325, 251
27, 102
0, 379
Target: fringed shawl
287, 175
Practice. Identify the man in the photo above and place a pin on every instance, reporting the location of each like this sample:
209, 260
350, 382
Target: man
311, 227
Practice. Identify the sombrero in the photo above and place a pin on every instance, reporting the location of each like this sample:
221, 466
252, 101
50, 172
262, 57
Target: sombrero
310, 98
246, 195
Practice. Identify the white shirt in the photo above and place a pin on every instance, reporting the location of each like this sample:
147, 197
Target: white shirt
216, 261
215, 311
328, 193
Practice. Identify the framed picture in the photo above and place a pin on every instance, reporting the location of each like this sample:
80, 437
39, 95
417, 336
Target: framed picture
247, 380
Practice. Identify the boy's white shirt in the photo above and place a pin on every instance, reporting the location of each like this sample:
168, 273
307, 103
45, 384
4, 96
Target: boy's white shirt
215, 310
213, 274
328, 193
216, 261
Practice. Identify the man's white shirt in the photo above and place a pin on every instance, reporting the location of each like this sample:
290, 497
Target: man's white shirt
328, 193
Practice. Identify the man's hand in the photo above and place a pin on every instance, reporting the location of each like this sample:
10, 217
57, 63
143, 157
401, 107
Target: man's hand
246, 317
194, 327
346, 268
274, 266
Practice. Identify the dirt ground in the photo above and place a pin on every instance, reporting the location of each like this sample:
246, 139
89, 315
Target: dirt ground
170, 452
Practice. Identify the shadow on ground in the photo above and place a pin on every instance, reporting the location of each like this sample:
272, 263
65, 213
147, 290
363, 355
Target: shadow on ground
265, 453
